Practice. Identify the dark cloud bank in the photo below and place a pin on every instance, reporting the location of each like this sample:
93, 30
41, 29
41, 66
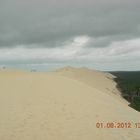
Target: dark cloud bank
54, 26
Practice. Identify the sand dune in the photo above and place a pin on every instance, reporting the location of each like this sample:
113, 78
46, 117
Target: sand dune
63, 105
96, 79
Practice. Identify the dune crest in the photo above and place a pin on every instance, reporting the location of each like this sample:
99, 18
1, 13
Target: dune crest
102, 81
62, 105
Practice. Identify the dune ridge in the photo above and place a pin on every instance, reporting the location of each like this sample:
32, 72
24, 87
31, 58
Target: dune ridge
102, 81
62, 105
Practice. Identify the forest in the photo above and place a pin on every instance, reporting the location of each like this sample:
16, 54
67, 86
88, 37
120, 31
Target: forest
128, 82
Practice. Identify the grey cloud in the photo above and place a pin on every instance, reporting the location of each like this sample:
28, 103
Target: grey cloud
49, 23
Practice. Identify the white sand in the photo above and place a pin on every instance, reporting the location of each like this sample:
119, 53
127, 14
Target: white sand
62, 105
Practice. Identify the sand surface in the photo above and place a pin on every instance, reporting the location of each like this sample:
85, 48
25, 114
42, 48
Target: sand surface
63, 105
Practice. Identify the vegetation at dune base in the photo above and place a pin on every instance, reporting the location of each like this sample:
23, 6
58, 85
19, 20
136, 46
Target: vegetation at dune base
129, 85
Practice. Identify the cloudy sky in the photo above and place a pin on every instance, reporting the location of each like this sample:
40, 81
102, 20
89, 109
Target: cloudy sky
44, 34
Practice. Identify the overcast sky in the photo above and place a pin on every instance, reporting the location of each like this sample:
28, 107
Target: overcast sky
100, 34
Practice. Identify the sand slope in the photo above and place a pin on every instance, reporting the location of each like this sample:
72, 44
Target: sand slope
54, 106
102, 81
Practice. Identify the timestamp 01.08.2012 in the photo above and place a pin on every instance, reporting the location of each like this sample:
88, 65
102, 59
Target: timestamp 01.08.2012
117, 125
